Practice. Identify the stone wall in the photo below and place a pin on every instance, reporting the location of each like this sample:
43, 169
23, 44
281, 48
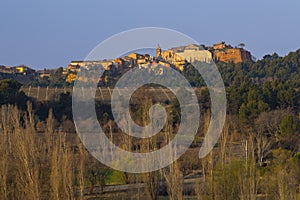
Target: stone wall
236, 55
199, 55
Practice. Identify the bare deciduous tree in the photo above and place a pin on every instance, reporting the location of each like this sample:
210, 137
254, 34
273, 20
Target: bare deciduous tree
172, 174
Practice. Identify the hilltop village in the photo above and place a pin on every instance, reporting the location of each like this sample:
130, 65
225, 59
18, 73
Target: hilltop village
178, 58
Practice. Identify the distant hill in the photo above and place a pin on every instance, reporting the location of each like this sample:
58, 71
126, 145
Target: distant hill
271, 67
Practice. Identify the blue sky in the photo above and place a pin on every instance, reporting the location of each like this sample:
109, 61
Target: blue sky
51, 33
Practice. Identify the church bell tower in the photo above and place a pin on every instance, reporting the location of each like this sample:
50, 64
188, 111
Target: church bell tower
158, 51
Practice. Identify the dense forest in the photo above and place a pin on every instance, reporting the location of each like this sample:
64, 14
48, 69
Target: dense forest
257, 156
